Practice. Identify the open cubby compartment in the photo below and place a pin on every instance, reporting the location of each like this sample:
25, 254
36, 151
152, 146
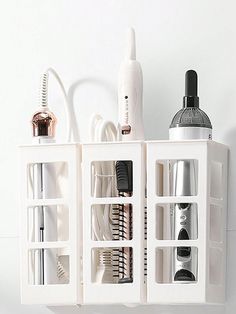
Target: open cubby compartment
104, 255
172, 205
51, 224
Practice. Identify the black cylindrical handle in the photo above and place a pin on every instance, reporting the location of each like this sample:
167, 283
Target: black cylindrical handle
191, 98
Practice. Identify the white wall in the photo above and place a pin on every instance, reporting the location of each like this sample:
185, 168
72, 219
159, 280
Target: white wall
83, 41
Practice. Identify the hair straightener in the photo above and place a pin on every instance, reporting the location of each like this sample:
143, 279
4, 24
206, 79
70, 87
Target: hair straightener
189, 123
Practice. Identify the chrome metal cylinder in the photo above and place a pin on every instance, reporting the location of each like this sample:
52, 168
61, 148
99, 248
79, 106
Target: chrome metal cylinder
184, 220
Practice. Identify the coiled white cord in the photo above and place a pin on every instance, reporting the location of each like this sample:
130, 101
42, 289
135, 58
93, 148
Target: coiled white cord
104, 178
103, 173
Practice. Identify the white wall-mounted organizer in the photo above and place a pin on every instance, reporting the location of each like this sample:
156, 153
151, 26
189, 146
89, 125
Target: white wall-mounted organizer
113, 265
57, 208
186, 267
94, 244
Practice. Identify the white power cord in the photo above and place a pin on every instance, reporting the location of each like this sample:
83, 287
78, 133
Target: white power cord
103, 174
104, 179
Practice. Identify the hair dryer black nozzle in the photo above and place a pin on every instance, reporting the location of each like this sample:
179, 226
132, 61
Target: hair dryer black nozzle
191, 98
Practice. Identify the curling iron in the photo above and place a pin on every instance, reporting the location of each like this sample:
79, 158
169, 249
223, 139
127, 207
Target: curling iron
44, 177
48, 265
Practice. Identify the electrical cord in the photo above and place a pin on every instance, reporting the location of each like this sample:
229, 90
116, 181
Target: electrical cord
103, 174
104, 179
